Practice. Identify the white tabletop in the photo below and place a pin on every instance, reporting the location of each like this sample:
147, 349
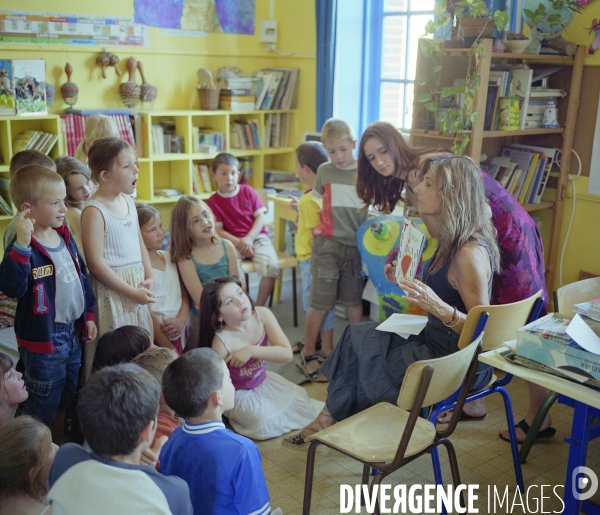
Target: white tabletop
571, 389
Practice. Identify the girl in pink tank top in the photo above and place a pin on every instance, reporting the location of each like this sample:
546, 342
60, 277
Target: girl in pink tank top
266, 404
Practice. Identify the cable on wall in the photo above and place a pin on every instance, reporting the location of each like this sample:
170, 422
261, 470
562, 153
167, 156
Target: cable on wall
571, 178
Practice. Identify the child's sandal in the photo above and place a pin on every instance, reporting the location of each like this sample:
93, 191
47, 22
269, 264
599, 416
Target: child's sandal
314, 374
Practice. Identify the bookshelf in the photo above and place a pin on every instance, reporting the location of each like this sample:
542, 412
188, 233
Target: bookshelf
11, 126
491, 142
176, 170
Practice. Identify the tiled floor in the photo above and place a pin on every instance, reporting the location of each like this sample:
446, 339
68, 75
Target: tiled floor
483, 458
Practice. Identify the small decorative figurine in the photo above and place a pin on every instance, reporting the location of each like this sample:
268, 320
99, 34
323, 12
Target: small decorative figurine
49, 93
69, 90
550, 114
148, 91
130, 91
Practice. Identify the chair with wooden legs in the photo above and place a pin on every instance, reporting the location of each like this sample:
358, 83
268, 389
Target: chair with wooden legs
565, 299
285, 261
387, 436
502, 325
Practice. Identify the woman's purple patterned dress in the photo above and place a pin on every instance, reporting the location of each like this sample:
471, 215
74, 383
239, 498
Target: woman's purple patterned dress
521, 248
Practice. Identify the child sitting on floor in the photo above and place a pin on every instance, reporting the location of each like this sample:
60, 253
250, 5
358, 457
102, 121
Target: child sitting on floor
266, 404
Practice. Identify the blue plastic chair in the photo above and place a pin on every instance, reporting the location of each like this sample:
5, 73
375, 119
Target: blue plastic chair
502, 324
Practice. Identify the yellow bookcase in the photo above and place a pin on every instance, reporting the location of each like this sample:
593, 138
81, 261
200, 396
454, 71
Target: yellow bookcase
175, 170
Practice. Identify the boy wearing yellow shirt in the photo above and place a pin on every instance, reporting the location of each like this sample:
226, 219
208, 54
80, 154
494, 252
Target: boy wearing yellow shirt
309, 156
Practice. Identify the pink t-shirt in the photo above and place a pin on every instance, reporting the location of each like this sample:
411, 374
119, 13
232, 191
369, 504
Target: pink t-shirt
236, 212
253, 372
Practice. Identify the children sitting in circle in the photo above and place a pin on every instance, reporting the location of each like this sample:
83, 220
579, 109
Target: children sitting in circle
198, 252
172, 307
266, 404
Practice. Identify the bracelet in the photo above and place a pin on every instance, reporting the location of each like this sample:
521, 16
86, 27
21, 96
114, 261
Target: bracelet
454, 321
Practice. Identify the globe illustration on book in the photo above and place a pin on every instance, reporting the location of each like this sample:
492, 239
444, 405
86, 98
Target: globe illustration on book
543, 26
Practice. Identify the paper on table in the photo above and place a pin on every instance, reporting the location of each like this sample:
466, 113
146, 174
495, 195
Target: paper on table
584, 335
403, 325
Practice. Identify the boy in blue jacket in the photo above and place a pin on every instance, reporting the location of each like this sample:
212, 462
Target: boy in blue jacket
44, 271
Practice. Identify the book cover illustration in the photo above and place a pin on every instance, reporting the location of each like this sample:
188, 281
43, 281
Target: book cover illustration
7, 90
30, 86
412, 244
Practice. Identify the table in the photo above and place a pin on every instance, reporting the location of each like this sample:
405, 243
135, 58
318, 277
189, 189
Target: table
585, 402
282, 213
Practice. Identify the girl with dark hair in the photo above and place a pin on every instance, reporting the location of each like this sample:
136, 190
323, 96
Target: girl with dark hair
266, 404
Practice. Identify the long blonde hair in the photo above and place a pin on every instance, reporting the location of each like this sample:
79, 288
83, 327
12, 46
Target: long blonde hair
97, 126
25, 444
464, 211
181, 236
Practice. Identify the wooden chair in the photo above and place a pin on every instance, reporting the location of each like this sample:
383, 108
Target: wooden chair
502, 325
387, 437
565, 299
285, 261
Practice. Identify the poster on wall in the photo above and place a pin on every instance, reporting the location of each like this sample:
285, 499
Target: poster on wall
228, 16
70, 29
8, 103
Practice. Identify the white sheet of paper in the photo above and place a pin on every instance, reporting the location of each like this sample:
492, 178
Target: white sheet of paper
403, 325
584, 335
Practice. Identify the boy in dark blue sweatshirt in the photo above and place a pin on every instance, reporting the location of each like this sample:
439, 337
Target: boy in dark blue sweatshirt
44, 271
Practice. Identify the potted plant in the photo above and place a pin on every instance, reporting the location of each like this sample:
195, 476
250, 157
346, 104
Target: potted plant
448, 116
550, 20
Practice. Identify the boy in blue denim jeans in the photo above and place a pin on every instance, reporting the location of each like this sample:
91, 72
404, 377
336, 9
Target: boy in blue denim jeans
44, 271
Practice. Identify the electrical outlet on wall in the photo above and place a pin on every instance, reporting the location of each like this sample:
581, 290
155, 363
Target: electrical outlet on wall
268, 31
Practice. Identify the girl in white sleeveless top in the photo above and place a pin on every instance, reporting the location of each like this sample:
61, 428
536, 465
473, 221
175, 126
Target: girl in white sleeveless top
117, 259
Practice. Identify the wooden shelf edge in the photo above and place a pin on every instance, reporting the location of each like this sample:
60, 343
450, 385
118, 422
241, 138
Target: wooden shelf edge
167, 200
487, 134
545, 204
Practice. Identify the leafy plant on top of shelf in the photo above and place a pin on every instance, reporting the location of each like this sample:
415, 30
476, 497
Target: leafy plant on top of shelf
450, 117
553, 17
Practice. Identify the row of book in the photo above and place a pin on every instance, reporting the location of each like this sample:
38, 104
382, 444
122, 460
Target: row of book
207, 141
245, 134
164, 142
270, 88
523, 170
34, 140
201, 180
74, 126
277, 130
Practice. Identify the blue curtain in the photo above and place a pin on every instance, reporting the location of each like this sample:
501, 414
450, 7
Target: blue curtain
326, 29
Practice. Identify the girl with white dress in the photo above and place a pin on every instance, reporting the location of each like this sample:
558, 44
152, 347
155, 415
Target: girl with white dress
119, 265
172, 307
266, 404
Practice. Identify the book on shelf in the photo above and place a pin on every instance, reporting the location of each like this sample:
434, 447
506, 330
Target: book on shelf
168, 192
523, 159
75, 126
539, 92
493, 94
544, 170
505, 169
205, 180
237, 103
521, 88
505, 74
272, 90
283, 186
261, 87
235, 83
5, 203
287, 94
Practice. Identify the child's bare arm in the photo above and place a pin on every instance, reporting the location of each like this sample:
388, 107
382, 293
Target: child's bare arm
148, 273
245, 248
257, 226
191, 281
232, 262
92, 224
160, 338
173, 327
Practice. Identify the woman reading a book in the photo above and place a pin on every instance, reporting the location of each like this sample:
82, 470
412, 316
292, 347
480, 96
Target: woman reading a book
387, 165
368, 366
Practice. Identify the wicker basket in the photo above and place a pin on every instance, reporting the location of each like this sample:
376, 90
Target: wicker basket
209, 98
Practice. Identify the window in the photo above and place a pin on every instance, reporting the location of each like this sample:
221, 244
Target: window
402, 24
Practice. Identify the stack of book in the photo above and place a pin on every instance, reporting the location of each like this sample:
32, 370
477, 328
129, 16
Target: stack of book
236, 94
523, 170
207, 141
34, 140
280, 180
276, 88
245, 134
74, 125
589, 309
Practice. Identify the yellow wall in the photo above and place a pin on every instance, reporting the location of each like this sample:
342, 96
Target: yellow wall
170, 62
